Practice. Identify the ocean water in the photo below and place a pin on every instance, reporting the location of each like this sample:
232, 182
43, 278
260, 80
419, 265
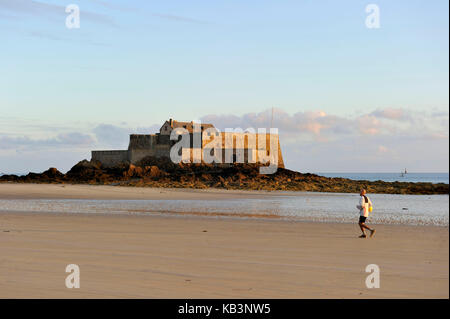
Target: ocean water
394, 177
318, 207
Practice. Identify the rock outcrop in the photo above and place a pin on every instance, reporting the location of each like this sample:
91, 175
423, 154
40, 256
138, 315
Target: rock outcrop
160, 172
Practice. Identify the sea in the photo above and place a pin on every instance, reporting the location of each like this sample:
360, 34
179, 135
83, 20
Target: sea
290, 206
393, 177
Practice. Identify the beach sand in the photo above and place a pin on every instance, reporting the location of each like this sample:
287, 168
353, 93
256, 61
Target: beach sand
135, 256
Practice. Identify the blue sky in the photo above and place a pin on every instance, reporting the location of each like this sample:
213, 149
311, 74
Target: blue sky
369, 99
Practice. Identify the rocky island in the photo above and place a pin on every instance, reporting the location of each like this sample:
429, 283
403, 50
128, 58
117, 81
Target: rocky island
160, 172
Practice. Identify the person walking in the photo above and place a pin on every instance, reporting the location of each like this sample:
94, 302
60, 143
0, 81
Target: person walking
364, 206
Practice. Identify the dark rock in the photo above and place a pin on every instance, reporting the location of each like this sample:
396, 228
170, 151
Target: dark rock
53, 173
158, 172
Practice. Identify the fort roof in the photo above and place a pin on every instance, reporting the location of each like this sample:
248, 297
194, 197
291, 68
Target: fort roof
188, 125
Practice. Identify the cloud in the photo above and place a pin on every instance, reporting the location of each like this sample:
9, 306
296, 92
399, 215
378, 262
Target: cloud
314, 123
166, 16
310, 122
178, 18
22, 162
21, 143
369, 125
42, 9
111, 135
383, 140
391, 114
47, 36
112, 6
74, 138
117, 137
382, 149
7, 17
320, 124
440, 114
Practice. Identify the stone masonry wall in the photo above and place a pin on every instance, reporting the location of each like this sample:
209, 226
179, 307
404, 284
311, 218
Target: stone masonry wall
142, 145
110, 158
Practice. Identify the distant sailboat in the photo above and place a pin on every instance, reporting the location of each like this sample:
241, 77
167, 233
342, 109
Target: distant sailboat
402, 174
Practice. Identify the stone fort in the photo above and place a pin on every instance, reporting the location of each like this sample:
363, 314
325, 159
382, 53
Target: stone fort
240, 147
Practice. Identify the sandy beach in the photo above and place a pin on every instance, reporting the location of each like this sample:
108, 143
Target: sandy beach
135, 256
74, 191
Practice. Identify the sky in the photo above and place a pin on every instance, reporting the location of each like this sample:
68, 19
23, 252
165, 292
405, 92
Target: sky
345, 97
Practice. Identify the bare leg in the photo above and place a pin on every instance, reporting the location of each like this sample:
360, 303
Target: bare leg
363, 225
362, 228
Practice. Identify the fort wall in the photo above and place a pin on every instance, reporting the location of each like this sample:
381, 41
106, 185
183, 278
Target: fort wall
110, 158
135, 155
142, 141
245, 143
159, 145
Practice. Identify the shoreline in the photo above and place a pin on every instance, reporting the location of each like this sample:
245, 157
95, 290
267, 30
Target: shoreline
218, 218
10, 190
224, 204
105, 192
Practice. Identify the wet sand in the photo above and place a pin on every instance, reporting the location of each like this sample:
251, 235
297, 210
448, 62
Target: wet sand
80, 191
133, 256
